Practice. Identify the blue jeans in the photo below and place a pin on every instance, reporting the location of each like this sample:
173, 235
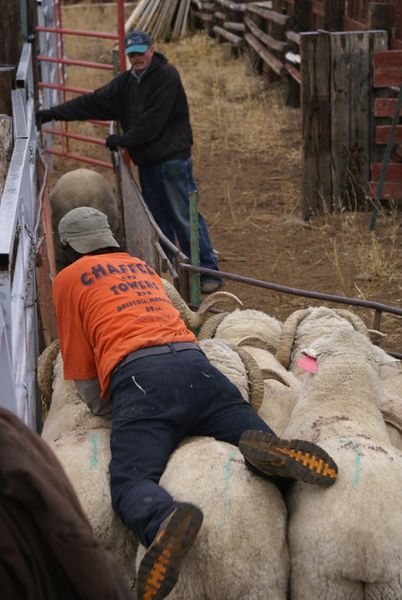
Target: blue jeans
156, 402
166, 188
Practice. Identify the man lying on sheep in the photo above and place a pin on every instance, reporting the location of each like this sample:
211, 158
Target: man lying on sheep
118, 330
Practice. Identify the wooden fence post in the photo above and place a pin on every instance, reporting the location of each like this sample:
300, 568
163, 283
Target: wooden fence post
338, 118
378, 16
334, 11
7, 76
315, 73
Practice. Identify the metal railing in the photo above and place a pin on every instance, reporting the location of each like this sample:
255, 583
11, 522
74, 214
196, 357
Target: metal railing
18, 245
54, 76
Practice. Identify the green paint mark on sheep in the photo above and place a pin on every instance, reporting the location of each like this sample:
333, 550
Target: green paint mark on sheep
94, 455
356, 475
226, 487
348, 443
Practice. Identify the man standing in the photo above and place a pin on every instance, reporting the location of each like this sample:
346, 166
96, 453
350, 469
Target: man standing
151, 106
117, 327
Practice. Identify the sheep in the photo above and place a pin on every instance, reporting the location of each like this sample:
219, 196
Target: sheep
241, 551
238, 366
345, 540
305, 325
391, 401
80, 441
281, 388
84, 187
243, 323
84, 454
67, 411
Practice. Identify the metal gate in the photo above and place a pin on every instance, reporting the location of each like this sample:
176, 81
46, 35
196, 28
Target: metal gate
54, 65
19, 233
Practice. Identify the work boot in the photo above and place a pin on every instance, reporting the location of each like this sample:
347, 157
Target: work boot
159, 569
209, 285
294, 459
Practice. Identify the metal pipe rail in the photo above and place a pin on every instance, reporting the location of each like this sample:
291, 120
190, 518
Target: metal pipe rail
82, 32
53, 68
378, 307
18, 232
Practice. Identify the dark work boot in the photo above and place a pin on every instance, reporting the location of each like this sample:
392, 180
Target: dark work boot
159, 569
272, 456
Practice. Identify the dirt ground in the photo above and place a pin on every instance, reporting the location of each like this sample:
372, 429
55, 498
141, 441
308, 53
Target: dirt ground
248, 166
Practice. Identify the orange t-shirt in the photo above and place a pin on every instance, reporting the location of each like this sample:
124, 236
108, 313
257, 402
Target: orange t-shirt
107, 306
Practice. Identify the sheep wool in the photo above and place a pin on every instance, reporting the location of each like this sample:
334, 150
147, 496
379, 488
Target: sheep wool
240, 552
304, 326
85, 456
67, 411
80, 441
228, 362
345, 541
247, 323
280, 394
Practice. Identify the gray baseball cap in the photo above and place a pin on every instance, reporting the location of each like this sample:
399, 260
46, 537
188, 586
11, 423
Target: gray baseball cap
86, 229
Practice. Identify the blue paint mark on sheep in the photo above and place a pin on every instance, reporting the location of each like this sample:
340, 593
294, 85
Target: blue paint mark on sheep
228, 477
94, 455
358, 459
356, 475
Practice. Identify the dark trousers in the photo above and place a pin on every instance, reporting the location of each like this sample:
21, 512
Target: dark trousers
166, 189
157, 401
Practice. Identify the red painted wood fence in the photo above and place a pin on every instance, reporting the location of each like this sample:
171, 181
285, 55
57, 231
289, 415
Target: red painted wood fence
388, 78
359, 13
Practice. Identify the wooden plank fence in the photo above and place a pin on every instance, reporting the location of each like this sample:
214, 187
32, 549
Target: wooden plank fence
269, 30
338, 99
346, 105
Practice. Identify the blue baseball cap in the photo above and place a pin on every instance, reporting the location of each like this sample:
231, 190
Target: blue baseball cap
137, 41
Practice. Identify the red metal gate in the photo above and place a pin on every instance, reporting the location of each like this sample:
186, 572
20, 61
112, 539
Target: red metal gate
62, 131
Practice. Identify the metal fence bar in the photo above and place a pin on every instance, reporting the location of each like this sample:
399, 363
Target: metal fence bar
77, 63
79, 32
7, 390
18, 327
296, 291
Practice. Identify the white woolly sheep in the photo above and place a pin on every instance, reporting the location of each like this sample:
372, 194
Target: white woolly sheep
391, 401
305, 325
281, 388
80, 441
239, 324
238, 366
241, 551
85, 456
67, 411
345, 540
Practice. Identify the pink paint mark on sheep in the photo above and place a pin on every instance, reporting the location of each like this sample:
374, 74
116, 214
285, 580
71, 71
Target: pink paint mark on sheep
307, 363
